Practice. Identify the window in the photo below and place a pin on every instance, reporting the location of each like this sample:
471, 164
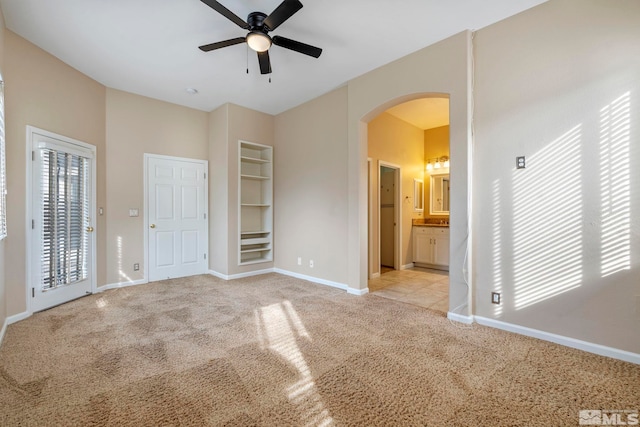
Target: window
65, 214
3, 170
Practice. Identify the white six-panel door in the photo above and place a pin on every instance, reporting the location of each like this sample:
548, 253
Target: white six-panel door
176, 217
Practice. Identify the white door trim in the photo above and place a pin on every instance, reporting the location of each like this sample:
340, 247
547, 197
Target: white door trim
372, 273
147, 157
397, 232
31, 132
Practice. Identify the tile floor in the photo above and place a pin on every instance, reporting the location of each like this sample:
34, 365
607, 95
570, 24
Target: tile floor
419, 286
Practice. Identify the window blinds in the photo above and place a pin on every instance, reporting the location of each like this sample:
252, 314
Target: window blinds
65, 218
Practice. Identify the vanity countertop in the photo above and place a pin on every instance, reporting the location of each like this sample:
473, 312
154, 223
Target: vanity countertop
430, 222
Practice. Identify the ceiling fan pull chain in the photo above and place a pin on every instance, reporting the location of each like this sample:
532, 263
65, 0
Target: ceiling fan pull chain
247, 59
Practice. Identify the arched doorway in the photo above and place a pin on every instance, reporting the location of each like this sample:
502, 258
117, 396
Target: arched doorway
401, 142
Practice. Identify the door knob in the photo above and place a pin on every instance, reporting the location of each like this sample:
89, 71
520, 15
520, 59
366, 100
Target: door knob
90, 229
152, 226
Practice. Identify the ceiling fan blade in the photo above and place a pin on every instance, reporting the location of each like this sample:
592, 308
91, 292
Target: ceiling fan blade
218, 45
265, 62
213, 4
284, 11
307, 49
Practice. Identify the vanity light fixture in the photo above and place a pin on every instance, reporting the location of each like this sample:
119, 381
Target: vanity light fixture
438, 162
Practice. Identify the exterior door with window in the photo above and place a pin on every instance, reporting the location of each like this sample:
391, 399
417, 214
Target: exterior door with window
62, 225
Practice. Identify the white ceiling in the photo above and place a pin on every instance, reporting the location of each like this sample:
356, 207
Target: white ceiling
150, 47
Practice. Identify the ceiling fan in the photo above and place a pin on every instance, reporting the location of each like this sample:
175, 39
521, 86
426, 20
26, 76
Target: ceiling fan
259, 25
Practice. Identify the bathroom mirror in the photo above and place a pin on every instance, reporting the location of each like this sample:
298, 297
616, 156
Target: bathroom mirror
418, 195
439, 203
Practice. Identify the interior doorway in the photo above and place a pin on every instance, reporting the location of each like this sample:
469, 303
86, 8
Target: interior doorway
176, 216
414, 135
389, 214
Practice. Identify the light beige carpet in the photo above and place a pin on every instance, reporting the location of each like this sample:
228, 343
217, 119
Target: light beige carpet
278, 351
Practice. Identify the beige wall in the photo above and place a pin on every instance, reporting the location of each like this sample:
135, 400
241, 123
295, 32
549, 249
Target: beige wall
219, 190
44, 92
395, 141
560, 238
436, 144
440, 70
136, 125
310, 159
3, 305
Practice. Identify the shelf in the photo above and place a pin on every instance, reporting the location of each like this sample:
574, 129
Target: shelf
248, 251
255, 203
256, 261
248, 233
255, 241
254, 160
257, 178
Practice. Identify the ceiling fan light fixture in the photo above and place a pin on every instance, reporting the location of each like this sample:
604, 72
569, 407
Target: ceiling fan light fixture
258, 41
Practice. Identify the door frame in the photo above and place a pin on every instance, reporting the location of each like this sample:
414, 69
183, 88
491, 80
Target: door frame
397, 212
371, 274
145, 205
30, 159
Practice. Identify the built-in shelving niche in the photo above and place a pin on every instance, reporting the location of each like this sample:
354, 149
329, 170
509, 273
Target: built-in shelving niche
256, 198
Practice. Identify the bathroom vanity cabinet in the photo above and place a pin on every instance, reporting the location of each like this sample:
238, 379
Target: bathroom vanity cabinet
431, 246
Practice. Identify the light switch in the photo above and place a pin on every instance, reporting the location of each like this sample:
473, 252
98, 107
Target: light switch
133, 212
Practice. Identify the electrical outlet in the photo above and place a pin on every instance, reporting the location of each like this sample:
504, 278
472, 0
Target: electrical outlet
520, 162
136, 267
311, 263
299, 260
495, 297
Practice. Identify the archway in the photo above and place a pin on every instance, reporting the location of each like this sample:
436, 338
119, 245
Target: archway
402, 136
413, 77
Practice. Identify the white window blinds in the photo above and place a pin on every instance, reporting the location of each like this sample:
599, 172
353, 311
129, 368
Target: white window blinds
3, 170
65, 218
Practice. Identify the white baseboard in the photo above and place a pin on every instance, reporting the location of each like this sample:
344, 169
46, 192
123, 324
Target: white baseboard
312, 279
240, 275
375, 275
3, 330
359, 292
602, 350
407, 266
460, 318
121, 285
18, 317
